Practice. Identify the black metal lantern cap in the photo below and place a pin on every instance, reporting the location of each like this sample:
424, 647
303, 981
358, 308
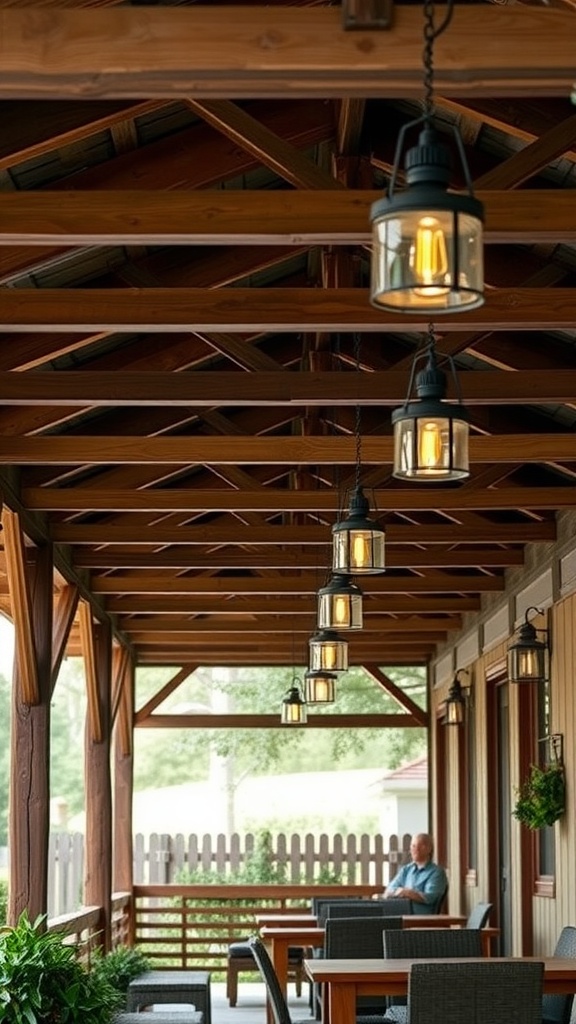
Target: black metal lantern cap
358, 509
427, 167
431, 394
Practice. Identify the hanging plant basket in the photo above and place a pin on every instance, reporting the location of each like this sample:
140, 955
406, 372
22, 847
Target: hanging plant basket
541, 799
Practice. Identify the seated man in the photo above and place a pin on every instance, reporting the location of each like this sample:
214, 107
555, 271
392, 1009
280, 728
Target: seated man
421, 881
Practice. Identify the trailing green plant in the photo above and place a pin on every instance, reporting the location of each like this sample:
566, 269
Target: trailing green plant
120, 966
541, 799
42, 982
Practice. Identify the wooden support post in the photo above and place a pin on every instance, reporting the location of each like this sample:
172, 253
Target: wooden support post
30, 753
123, 775
98, 872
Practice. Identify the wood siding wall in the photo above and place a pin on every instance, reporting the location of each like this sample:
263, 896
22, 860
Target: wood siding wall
536, 918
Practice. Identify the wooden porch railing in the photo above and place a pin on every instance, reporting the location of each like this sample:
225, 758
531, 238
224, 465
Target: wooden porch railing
84, 927
191, 926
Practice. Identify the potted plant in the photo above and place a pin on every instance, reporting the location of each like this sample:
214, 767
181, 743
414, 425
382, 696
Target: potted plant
541, 799
42, 982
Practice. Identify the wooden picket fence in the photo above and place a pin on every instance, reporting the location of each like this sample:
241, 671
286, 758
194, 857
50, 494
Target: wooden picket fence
295, 859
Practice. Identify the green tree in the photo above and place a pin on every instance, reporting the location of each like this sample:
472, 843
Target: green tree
5, 701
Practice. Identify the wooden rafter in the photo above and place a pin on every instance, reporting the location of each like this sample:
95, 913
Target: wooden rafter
278, 451
272, 500
403, 699
339, 217
393, 721
270, 309
210, 52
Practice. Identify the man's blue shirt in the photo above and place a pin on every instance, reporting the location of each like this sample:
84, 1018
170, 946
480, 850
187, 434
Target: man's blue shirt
430, 880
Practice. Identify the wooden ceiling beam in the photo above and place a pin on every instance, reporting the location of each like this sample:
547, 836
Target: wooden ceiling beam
429, 630
438, 556
394, 721
273, 451
265, 605
210, 52
271, 387
234, 533
266, 309
253, 218
296, 585
268, 499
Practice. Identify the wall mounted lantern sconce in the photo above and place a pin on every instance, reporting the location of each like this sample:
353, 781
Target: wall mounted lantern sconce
456, 701
328, 652
430, 434
427, 248
340, 604
319, 687
529, 657
294, 710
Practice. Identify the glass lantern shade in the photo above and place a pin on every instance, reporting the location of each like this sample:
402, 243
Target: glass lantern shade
454, 707
319, 687
528, 663
427, 260
340, 604
431, 442
294, 710
528, 657
328, 652
357, 542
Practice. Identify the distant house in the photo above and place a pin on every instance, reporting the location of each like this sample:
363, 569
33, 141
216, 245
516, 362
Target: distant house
405, 798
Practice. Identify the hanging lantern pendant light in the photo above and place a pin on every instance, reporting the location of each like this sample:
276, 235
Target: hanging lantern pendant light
430, 434
358, 543
328, 651
427, 249
294, 710
340, 604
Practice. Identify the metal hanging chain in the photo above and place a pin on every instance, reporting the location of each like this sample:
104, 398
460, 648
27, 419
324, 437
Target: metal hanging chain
431, 34
357, 421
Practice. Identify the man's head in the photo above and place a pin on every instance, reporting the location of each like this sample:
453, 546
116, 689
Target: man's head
421, 848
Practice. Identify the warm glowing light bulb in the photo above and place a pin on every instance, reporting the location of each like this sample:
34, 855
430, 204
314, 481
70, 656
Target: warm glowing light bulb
430, 258
341, 611
329, 656
528, 665
429, 445
360, 550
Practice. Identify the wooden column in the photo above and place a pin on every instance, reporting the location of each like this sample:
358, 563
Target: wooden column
31, 588
123, 674
97, 649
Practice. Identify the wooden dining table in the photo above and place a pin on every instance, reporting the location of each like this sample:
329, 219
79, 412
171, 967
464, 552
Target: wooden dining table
282, 936
346, 980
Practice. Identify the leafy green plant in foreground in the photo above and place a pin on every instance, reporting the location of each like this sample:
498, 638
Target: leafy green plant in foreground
120, 966
42, 982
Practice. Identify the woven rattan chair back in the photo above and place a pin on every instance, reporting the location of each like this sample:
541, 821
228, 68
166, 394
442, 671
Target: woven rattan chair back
477, 993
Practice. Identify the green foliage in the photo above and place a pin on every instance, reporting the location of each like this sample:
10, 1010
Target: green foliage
541, 799
3, 900
120, 966
41, 981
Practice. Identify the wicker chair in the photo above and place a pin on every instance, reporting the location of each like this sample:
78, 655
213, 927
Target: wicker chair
478, 917
501, 993
436, 943
368, 908
240, 960
360, 938
558, 1009
276, 999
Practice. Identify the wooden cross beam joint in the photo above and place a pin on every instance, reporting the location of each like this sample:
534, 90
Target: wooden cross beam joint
367, 14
